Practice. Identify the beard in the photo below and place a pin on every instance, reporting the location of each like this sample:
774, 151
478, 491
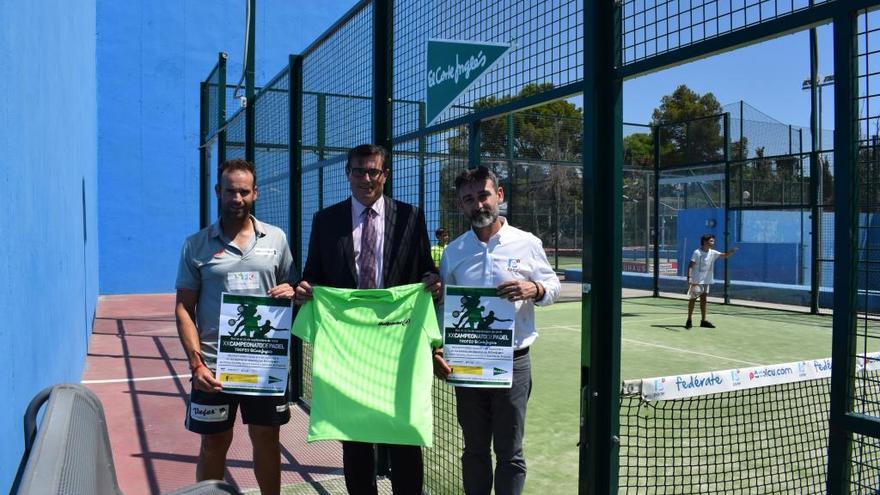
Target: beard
484, 217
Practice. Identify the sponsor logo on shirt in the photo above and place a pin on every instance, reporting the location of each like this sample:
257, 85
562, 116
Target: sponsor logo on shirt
390, 323
210, 413
513, 264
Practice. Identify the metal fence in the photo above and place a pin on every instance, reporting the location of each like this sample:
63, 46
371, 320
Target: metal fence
362, 81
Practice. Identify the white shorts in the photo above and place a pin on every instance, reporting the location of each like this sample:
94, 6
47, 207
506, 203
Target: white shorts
697, 290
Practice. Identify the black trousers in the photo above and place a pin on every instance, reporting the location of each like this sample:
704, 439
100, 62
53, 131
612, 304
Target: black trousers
359, 466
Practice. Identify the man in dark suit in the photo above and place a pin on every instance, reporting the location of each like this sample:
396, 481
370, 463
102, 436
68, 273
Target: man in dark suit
371, 241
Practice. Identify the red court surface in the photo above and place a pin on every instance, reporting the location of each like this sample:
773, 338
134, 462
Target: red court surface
136, 366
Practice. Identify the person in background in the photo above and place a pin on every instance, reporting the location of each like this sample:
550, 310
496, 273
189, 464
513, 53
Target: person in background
699, 281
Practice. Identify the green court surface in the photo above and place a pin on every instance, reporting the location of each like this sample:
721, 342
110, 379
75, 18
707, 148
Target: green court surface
655, 343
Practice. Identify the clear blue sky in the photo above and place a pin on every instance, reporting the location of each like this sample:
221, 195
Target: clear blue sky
768, 76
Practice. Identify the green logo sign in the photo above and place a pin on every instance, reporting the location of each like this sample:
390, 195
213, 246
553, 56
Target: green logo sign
453, 67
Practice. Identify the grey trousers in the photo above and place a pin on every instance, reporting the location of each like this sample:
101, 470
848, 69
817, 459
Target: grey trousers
495, 417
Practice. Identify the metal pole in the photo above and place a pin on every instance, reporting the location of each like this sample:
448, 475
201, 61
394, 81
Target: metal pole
295, 113
204, 166
509, 151
383, 39
221, 111
250, 116
815, 171
474, 144
845, 244
423, 149
601, 304
658, 232
727, 206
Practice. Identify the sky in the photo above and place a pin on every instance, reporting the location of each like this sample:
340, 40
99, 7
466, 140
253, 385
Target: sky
767, 76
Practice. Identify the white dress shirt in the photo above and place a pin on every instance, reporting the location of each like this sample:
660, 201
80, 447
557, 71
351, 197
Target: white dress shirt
357, 223
511, 254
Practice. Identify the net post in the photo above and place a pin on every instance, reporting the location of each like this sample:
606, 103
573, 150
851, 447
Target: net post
846, 248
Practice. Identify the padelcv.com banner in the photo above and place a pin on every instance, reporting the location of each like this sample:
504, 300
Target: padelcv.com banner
692, 385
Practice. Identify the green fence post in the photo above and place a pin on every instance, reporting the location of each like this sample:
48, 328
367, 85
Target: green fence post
815, 175
204, 166
250, 116
845, 252
727, 206
601, 305
383, 78
423, 150
295, 145
511, 165
474, 155
221, 110
655, 130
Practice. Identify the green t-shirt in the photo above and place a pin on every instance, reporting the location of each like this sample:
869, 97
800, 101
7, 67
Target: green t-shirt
371, 363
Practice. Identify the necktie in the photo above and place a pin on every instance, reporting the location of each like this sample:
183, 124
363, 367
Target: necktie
367, 258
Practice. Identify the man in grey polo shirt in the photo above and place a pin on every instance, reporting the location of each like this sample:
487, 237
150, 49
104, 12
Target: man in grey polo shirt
237, 254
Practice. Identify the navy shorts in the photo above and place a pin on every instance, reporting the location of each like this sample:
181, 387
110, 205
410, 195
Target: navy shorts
215, 412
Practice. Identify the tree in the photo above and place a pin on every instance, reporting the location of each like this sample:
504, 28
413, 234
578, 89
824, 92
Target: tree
538, 167
686, 136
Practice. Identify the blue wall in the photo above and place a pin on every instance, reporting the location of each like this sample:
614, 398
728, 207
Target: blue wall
48, 257
151, 58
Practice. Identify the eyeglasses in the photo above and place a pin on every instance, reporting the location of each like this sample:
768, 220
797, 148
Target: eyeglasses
360, 172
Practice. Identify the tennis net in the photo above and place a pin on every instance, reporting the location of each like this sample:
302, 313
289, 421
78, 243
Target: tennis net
750, 430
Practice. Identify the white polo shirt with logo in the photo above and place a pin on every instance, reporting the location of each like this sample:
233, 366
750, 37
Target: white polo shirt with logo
511, 254
704, 266
212, 264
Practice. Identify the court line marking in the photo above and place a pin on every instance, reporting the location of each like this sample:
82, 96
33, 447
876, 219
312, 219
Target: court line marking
659, 346
131, 380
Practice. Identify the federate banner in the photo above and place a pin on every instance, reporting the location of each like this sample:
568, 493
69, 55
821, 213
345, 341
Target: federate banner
254, 345
694, 384
478, 337
453, 67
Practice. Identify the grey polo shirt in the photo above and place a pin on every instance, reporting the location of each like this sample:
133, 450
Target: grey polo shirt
211, 264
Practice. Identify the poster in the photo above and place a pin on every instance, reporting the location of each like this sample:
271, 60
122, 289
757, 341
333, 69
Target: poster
253, 348
478, 337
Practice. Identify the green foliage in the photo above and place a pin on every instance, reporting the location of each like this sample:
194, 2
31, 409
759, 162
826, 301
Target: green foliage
688, 134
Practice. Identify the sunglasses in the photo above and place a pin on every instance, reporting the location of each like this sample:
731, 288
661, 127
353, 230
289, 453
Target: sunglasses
361, 172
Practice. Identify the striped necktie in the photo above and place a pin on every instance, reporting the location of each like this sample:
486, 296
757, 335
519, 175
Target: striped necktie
367, 258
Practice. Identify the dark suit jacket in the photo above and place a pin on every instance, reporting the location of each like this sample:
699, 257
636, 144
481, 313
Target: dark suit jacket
407, 256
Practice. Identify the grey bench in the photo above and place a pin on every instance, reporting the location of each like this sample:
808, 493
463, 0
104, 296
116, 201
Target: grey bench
70, 451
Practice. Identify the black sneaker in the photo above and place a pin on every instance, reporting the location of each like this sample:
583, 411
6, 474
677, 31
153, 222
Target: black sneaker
688, 323
706, 324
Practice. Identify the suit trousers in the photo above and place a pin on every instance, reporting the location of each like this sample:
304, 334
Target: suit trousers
495, 417
359, 466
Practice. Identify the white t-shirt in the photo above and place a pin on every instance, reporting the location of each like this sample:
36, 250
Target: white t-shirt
704, 266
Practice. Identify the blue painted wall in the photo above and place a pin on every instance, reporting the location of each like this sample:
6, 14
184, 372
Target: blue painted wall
151, 58
48, 257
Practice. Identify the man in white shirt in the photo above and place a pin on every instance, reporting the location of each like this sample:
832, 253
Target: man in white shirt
495, 254
703, 261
